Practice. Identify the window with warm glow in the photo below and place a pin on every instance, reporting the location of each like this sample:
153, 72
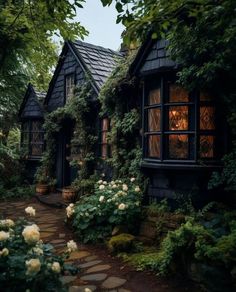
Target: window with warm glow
178, 125
105, 125
32, 138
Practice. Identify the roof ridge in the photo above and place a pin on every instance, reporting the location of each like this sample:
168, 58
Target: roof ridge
85, 44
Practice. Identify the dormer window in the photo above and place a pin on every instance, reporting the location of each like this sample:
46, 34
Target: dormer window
178, 125
69, 86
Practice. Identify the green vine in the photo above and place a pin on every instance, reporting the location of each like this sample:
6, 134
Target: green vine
80, 110
119, 100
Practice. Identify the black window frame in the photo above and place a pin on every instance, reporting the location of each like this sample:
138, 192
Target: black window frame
193, 132
28, 144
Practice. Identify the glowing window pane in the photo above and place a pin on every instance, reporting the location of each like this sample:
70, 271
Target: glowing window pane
154, 146
154, 119
178, 118
207, 118
178, 146
154, 96
207, 146
177, 94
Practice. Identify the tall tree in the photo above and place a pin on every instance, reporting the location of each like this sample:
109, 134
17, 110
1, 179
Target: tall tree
27, 50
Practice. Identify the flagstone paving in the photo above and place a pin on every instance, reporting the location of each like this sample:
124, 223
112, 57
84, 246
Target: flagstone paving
98, 271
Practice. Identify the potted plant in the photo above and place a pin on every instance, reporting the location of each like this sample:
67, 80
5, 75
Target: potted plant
42, 181
69, 194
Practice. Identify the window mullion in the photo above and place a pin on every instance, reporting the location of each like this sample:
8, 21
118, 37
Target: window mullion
162, 145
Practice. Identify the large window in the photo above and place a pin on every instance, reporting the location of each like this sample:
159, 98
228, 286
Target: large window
32, 138
178, 125
105, 125
69, 86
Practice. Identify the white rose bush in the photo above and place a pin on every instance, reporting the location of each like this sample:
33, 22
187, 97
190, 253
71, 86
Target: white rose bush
115, 203
26, 263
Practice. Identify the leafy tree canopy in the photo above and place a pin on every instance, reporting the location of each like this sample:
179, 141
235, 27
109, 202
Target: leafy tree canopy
27, 50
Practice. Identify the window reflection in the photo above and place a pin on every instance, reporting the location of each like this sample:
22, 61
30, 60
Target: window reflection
154, 146
178, 146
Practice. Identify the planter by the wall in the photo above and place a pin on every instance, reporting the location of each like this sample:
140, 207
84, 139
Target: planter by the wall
42, 189
68, 195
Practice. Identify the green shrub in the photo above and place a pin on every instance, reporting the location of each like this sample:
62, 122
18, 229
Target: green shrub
25, 262
121, 242
112, 204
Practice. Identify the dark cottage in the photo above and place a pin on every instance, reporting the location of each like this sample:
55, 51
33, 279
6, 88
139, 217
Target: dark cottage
77, 60
183, 133
31, 116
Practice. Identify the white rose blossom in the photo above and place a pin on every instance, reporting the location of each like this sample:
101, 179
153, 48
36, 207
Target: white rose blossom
122, 206
72, 246
37, 251
101, 199
4, 235
101, 187
30, 211
87, 290
33, 266
132, 179
70, 210
105, 182
4, 252
56, 268
100, 181
7, 223
125, 187
114, 186
31, 234
137, 189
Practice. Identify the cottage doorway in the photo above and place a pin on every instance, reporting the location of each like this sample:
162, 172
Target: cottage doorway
63, 168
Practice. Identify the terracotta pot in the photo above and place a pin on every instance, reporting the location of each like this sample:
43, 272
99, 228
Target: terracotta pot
42, 189
68, 195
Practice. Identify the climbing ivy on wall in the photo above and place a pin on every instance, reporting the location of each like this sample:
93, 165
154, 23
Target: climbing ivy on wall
119, 99
80, 111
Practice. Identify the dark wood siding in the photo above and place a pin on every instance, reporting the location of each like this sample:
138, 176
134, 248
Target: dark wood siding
70, 65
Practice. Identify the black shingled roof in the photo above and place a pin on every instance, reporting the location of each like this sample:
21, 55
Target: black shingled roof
99, 61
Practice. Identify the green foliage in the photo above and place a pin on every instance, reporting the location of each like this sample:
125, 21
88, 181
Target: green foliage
17, 192
112, 204
79, 111
18, 250
119, 101
158, 208
227, 177
122, 242
27, 50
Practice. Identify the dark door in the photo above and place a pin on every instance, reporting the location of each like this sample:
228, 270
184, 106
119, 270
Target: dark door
63, 171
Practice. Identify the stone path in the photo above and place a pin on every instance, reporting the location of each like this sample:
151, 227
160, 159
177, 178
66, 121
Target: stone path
99, 271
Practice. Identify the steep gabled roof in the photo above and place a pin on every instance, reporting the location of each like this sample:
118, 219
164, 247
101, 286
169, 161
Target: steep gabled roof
99, 61
152, 56
32, 104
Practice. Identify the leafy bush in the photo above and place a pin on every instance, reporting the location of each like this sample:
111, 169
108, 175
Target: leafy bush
25, 262
20, 192
112, 204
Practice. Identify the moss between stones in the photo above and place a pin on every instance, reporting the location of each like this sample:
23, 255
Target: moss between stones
121, 242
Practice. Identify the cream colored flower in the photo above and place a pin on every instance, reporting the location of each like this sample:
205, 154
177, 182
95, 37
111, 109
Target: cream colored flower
37, 251
105, 182
30, 211
101, 199
4, 235
114, 186
4, 252
125, 187
137, 203
7, 223
70, 210
100, 181
87, 290
31, 234
86, 214
56, 268
101, 187
72, 246
132, 179
112, 182
109, 200
33, 266
137, 189
121, 206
